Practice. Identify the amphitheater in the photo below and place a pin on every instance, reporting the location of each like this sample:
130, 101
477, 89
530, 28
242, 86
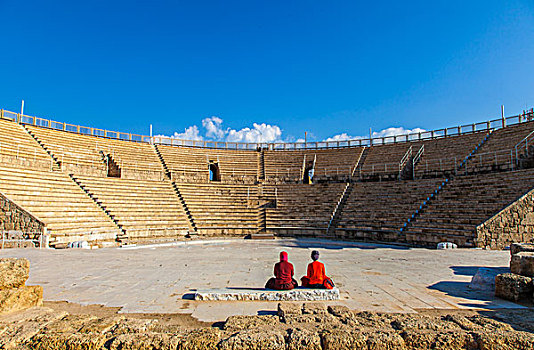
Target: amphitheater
469, 185
172, 216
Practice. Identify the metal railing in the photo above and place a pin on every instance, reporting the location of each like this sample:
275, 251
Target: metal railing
405, 160
524, 145
426, 135
19, 239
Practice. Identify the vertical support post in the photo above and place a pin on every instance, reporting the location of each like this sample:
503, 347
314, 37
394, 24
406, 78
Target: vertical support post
502, 117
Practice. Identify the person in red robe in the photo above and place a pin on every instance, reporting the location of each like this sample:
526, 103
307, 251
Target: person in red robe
283, 275
316, 274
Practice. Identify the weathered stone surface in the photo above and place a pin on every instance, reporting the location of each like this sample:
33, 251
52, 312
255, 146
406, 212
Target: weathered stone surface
240, 322
288, 295
13, 272
20, 298
302, 339
484, 279
452, 340
14, 218
523, 264
521, 247
512, 224
255, 339
505, 340
285, 309
340, 311
513, 287
19, 327
314, 309
74, 341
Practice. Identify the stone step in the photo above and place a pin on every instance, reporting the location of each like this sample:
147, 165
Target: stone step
297, 294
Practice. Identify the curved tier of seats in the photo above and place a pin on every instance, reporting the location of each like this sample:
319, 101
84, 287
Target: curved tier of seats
94, 188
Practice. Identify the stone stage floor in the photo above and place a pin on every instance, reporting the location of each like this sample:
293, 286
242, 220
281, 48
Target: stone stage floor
164, 278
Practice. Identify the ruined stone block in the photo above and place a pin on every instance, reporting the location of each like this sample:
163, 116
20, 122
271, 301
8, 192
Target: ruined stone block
513, 287
521, 247
523, 264
314, 309
20, 298
285, 309
13, 272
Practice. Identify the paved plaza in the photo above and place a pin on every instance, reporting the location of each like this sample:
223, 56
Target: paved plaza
163, 279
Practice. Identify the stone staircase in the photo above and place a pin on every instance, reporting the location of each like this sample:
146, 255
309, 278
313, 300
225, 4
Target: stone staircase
122, 237
190, 218
334, 218
56, 164
261, 166
163, 163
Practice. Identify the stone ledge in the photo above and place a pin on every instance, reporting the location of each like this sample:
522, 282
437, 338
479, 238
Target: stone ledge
298, 294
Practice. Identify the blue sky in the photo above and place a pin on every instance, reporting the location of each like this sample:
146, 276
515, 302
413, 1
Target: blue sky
324, 67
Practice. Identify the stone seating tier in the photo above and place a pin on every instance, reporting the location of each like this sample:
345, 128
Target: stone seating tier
379, 210
76, 151
192, 164
495, 152
146, 209
222, 206
55, 199
330, 164
302, 206
18, 148
466, 202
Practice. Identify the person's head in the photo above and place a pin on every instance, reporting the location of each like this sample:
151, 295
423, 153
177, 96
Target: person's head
315, 255
283, 256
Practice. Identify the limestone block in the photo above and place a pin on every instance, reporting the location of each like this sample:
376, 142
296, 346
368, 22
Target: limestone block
20, 298
285, 309
13, 272
340, 311
513, 287
240, 322
521, 247
303, 339
314, 309
300, 294
523, 264
484, 279
255, 339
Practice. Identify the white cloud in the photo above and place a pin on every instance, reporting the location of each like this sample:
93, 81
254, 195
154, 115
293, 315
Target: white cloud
343, 137
259, 133
396, 131
213, 127
393, 131
190, 133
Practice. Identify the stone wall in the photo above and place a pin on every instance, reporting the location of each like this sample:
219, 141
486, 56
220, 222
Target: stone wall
515, 223
15, 218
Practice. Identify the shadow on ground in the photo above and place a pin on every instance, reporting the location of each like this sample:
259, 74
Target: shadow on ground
481, 298
308, 243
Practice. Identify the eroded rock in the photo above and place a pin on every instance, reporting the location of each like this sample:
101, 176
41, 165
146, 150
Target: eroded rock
20, 298
255, 339
521, 247
513, 287
13, 272
522, 264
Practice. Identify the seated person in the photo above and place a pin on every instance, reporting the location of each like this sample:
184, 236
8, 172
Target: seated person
316, 275
283, 272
